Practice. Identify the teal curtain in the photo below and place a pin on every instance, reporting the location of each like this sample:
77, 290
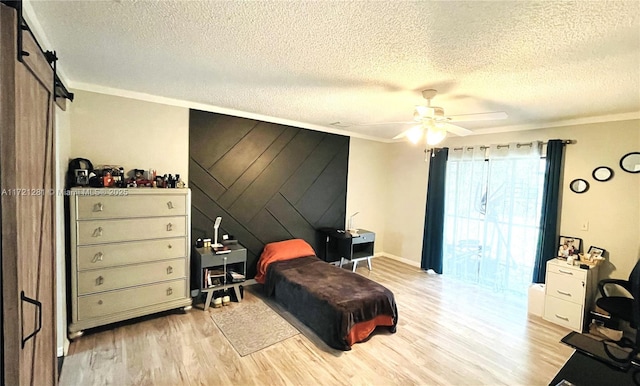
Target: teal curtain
548, 237
432, 239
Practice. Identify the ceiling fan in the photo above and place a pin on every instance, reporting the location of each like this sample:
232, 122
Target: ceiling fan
435, 125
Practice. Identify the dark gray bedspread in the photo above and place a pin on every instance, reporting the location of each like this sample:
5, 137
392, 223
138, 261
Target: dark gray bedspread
328, 299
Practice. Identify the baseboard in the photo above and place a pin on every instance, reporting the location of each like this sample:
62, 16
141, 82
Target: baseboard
412, 263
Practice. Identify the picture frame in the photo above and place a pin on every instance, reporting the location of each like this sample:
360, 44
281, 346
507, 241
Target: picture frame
569, 245
596, 251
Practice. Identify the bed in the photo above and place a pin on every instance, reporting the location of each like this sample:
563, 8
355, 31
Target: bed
340, 306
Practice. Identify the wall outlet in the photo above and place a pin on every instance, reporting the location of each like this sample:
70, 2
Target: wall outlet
585, 225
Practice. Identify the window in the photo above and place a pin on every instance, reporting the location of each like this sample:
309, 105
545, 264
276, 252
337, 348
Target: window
493, 202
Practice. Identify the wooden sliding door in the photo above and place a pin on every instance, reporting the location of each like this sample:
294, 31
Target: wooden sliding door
27, 209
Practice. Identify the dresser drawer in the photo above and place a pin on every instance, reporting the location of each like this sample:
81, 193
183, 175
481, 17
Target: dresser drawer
101, 207
564, 287
132, 252
108, 303
563, 312
122, 277
562, 268
107, 231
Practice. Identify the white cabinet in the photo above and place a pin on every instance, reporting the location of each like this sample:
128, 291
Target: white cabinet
129, 254
570, 292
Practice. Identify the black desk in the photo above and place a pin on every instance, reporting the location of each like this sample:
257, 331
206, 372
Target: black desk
582, 370
341, 246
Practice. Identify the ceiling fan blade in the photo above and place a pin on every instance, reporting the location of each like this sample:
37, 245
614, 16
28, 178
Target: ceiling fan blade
478, 116
457, 130
406, 132
402, 134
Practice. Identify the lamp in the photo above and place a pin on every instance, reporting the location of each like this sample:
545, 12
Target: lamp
351, 229
435, 133
216, 225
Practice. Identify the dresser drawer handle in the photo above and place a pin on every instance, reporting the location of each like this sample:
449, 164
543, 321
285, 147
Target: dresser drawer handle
100, 302
98, 207
169, 227
170, 205
169, 246
169, 291
97, 232
97, 257
99, 280
567, 272
562, 317
563, 293
169, 270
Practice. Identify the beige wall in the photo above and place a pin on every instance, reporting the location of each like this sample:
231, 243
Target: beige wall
367, 187
405, 207
387, 185
111, 130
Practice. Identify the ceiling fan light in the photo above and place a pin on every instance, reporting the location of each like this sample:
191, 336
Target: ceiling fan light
435, 134
414, 134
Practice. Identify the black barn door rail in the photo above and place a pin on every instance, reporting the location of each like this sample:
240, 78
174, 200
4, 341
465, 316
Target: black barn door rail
59, 88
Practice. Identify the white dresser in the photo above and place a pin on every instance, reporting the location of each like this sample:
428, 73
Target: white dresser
129, 254
569, 295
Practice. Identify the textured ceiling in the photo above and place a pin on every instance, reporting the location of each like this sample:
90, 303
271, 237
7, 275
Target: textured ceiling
319, 62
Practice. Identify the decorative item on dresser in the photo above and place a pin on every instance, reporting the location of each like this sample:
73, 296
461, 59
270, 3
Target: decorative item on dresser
570, 292
129, 254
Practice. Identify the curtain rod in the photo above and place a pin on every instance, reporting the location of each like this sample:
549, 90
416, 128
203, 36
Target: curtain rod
483, 147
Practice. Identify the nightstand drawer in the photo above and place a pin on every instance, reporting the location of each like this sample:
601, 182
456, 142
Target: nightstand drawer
107, 231
209, 259
566, 288
133, 252
107, 303
98, 207
563, 312
122, 277
364, 238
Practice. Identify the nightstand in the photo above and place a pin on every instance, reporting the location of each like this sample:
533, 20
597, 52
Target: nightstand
341, 246
204, 259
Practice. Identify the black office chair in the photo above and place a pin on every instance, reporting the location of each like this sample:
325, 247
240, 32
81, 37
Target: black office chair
623, 307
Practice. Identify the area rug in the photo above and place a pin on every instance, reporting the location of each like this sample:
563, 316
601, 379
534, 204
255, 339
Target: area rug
251, 326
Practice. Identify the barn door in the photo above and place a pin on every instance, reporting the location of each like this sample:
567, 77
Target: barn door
27, 209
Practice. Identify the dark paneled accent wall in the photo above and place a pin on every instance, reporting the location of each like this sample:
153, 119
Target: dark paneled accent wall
268, 182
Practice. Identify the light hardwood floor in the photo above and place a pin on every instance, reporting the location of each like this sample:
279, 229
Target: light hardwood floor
449, 333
